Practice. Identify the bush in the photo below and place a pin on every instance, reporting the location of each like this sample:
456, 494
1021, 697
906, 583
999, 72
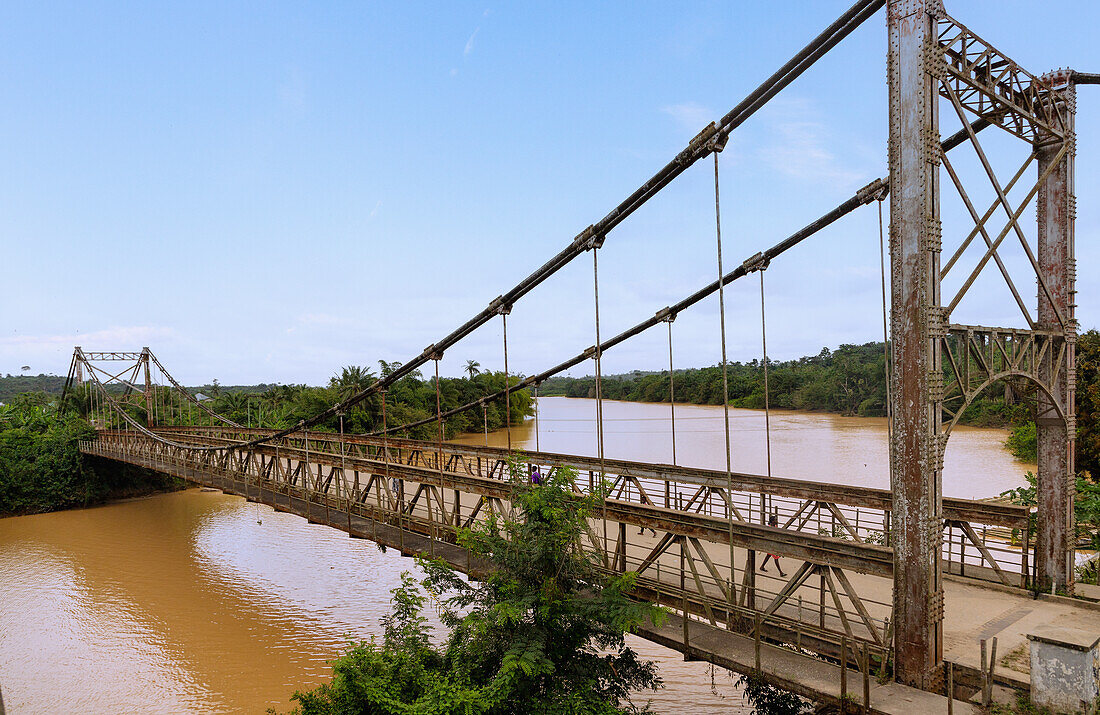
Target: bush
1022, 442
543, 633
42, 469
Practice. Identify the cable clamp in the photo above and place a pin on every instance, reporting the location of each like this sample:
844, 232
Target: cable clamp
591, 352
432, 353
665, 315
588, 238
718, 143
874, 191
699, 146
703, 137
498, 307
757, 262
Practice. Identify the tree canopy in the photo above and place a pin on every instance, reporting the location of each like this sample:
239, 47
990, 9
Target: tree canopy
543, 633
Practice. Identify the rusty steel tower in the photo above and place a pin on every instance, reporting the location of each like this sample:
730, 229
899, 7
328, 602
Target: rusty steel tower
938, 366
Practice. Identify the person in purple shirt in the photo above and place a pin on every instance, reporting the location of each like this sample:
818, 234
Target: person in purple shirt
536, 476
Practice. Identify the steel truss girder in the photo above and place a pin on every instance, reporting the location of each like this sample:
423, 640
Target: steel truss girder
494, 460
465, 458
992, 86
100, 356
705, 589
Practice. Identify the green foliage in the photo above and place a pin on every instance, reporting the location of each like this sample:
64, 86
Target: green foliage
769, 700
410, 399
1088, 404
1023, 706
11, 386
1021, 442
543, 633
1086, 506
41, 468
850, 380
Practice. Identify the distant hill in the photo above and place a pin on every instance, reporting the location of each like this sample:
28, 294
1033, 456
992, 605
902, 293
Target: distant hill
13, 385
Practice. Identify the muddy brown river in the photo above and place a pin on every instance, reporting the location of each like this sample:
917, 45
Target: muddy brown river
199, 602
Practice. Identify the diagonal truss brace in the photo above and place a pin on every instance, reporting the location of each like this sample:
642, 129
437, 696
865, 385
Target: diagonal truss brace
992, 86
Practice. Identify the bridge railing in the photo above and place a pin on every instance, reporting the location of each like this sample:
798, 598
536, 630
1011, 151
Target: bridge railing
982, 539
828, 618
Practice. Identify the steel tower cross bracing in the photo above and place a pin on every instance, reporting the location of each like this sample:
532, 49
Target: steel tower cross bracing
940, 367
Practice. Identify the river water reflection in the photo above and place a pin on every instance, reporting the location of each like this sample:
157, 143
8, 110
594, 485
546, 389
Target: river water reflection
202, 602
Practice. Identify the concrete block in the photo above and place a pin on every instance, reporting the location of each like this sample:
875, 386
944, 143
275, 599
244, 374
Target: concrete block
1065, 669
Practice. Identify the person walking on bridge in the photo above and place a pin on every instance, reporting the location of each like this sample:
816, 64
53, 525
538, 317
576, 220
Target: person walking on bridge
773, 520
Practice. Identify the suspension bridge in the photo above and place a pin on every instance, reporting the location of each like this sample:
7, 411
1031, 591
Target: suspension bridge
895, 587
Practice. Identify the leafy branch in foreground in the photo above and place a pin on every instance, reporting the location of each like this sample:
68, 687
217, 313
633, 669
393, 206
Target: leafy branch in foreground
543, 633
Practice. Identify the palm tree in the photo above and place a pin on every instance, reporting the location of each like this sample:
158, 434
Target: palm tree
472, 368
353, 379
233, 405
388, 368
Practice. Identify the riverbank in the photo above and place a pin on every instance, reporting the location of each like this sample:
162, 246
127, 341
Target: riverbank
129, 483
42, 469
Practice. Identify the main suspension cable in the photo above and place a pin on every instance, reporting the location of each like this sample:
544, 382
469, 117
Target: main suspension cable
862, 197
872, 191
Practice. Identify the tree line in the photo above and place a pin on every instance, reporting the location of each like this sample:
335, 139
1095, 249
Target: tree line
41, 468
410, 399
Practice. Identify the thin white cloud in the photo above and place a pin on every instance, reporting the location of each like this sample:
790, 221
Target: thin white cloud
48, 352
690, 116
798, 146
470, 42
374, 211
115, 338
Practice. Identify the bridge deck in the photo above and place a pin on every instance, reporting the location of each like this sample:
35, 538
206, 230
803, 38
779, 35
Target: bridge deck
841, 605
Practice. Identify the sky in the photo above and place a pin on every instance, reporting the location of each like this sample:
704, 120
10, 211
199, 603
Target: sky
265, 192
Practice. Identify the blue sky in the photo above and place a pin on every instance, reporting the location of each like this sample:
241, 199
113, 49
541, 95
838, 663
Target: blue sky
268, 191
